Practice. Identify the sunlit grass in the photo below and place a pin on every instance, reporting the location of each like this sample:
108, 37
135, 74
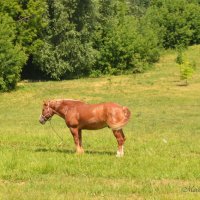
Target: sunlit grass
162, 150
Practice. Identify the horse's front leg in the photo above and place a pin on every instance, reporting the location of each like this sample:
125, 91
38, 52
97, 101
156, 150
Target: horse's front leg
120, 139
77, 135
80, 141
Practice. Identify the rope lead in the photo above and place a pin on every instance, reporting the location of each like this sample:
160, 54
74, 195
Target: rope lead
56, 132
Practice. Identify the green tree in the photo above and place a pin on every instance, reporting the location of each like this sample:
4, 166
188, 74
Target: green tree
30, 19
67, 49
12, 58
123, 43
176, 22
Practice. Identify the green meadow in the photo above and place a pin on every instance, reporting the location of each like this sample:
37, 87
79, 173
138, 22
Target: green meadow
162, 150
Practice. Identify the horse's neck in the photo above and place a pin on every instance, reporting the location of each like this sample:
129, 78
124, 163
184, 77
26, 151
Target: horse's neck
61, 106
58, 107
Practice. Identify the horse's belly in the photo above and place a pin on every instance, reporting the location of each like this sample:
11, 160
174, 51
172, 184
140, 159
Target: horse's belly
93, 126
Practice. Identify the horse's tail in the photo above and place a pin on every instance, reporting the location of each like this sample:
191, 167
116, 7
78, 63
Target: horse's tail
122, 118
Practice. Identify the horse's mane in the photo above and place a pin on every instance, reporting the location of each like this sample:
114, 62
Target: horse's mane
67, 101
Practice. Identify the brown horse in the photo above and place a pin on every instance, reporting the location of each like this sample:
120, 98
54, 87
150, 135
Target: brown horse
79, 115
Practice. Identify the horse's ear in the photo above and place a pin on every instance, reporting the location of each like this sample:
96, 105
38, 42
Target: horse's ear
44, 102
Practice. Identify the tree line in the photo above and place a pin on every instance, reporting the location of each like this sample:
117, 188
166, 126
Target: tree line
62, 39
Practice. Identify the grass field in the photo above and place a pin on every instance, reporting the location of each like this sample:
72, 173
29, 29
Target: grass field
162, 150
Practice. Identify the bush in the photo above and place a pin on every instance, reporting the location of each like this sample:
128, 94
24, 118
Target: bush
186, 71
187, 67
179, 58
12, 58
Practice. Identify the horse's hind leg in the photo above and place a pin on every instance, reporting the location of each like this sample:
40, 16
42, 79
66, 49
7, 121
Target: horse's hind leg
120, 139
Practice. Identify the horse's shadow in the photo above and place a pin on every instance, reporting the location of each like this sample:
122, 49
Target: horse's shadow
100, 152
67, 151
56, 150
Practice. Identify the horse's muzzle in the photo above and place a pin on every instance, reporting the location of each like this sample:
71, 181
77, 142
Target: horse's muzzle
42, 120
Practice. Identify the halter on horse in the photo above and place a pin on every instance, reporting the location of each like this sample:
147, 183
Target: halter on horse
79, 115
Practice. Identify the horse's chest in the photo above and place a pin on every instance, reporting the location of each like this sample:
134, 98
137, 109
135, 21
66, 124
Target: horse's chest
72, 118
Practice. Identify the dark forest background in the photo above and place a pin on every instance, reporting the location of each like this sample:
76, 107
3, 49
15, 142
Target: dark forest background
64, 39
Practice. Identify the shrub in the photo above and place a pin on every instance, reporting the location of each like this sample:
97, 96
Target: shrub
187, 67
179, 58
186, 71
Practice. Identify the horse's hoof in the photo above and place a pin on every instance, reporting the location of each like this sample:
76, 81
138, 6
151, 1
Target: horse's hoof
79, 152
119, 154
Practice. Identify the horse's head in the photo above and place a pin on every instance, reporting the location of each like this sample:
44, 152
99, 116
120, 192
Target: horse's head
47, 112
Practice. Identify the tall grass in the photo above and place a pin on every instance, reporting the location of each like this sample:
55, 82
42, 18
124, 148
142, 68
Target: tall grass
162, 151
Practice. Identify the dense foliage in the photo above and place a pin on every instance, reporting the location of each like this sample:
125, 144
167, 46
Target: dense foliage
12, 58
60, 39
176, 21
